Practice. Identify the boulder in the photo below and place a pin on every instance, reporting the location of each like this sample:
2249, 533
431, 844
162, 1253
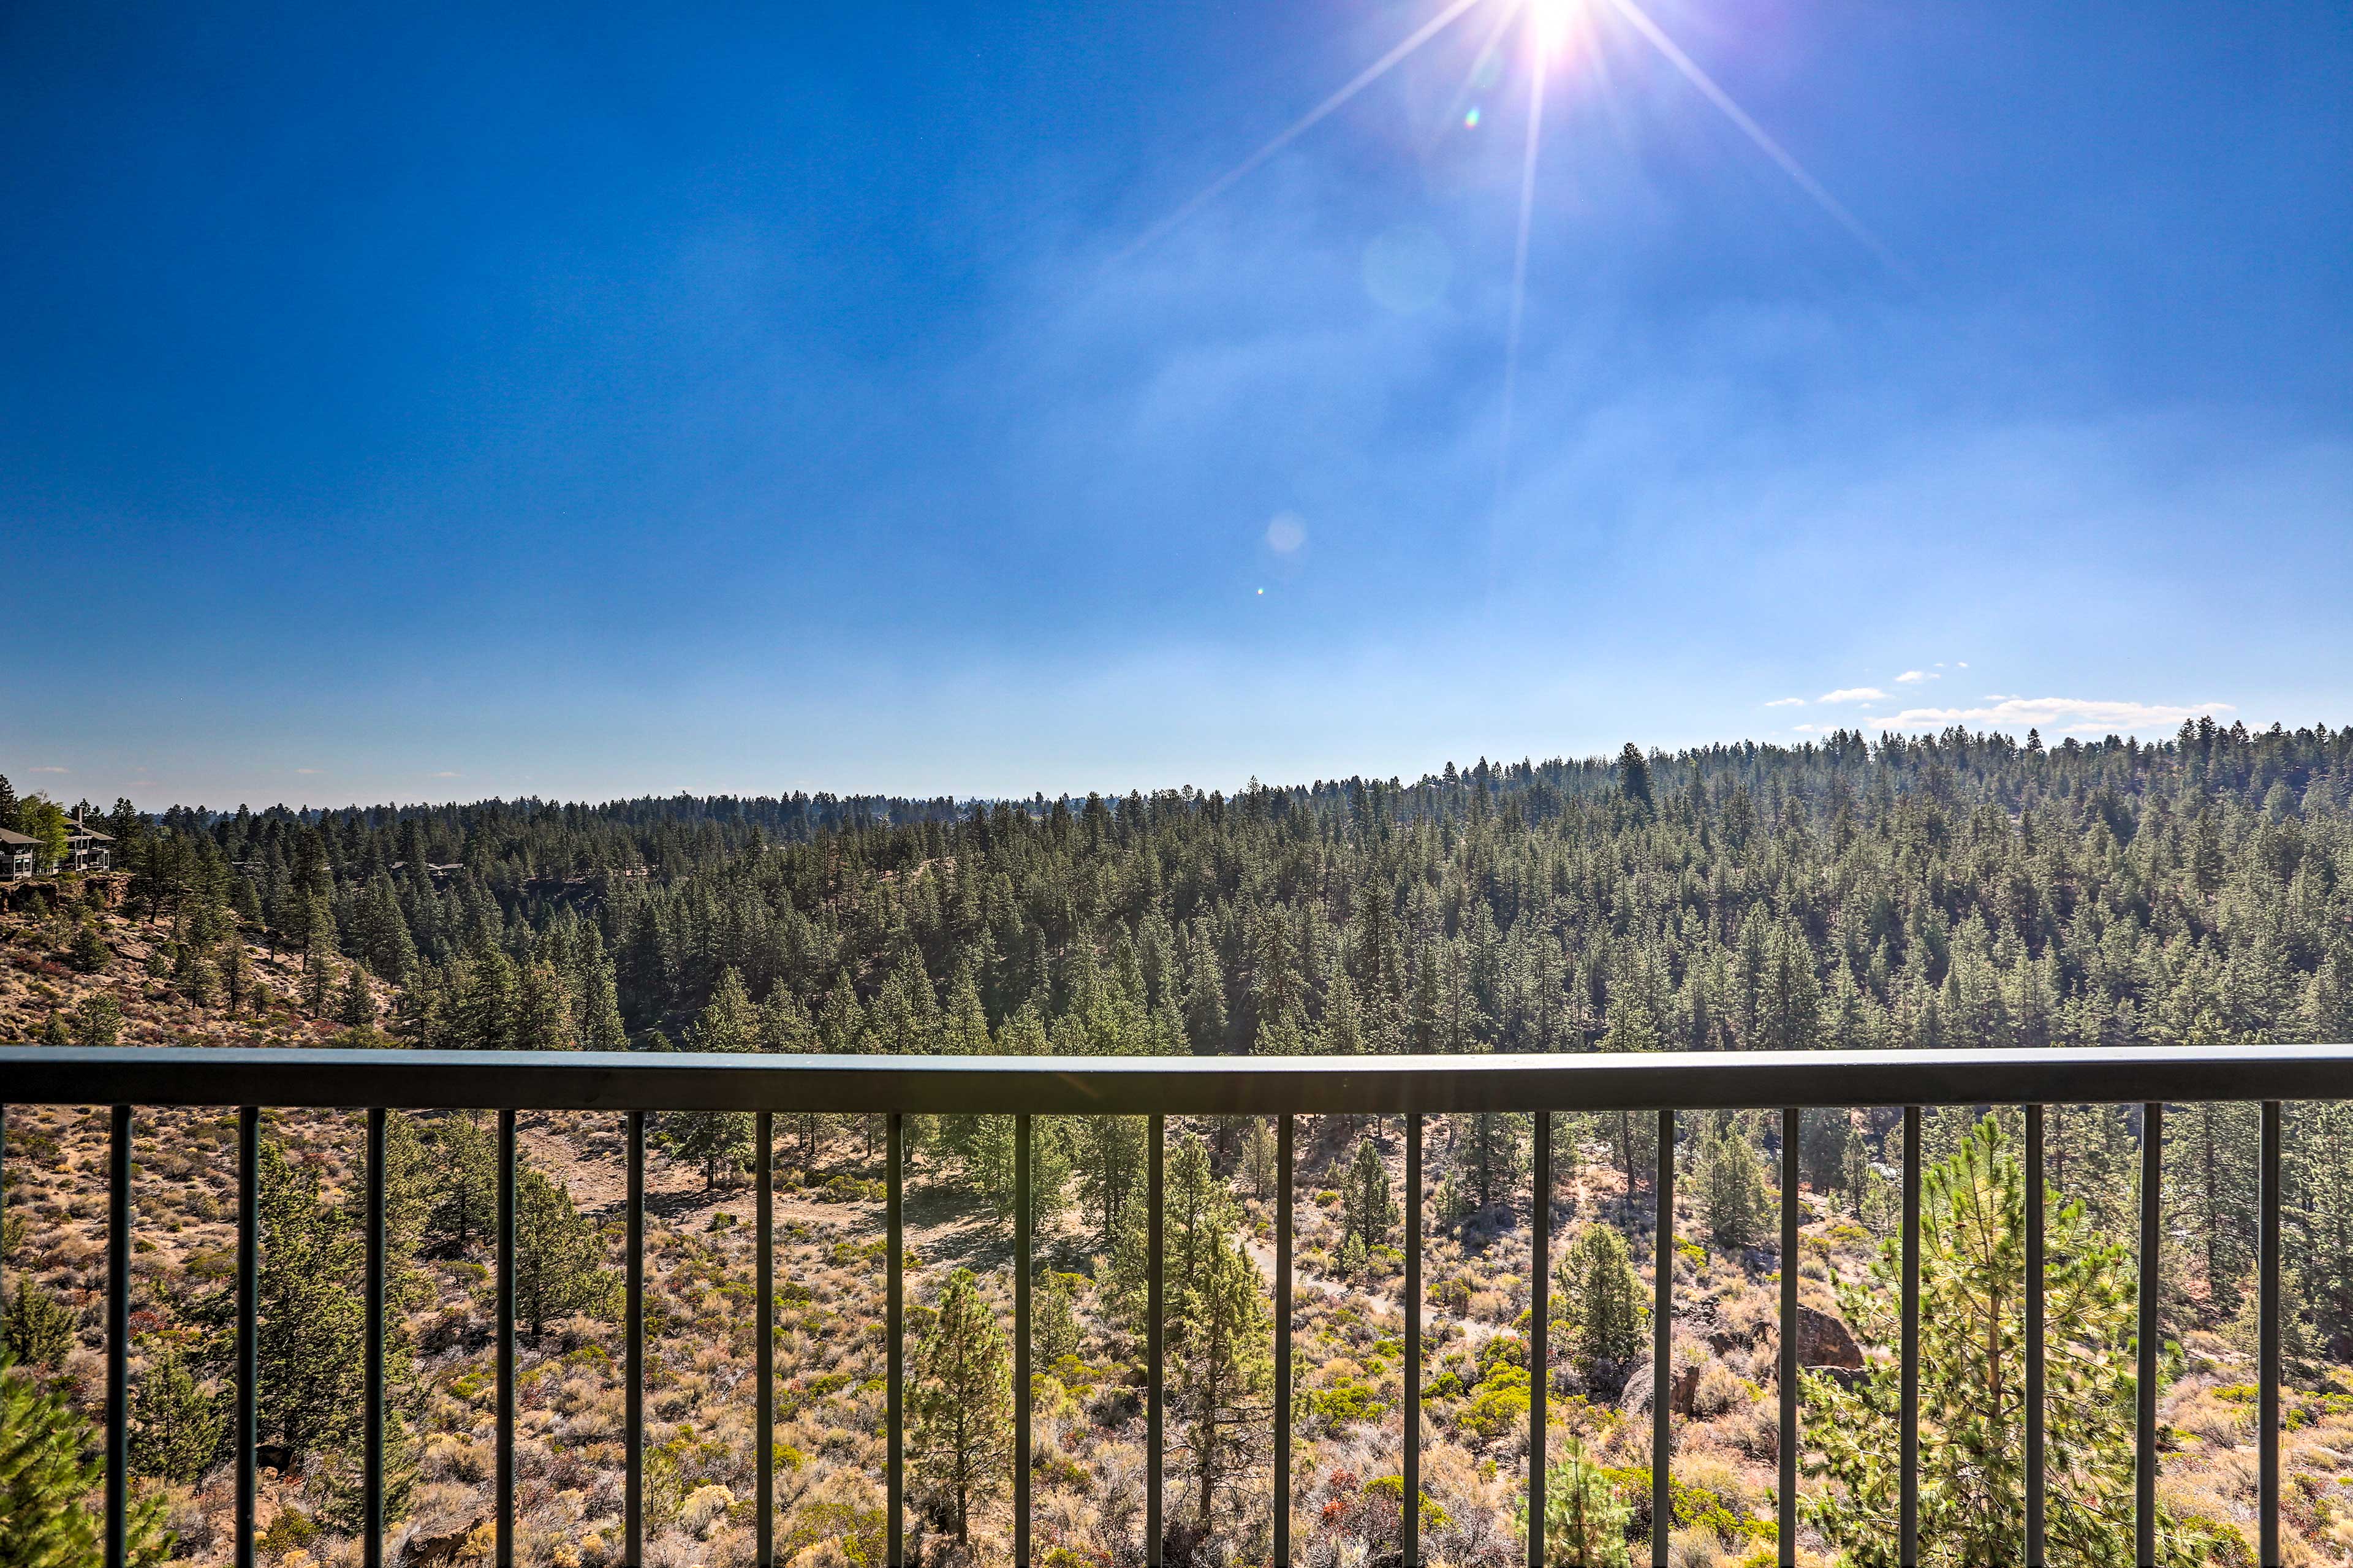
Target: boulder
1683, 1386
434, 1551
1825, 1342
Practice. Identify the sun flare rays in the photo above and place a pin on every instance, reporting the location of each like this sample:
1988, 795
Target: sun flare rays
1548, 29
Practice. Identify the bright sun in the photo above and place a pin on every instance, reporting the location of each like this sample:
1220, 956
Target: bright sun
1549, 20
1551, 25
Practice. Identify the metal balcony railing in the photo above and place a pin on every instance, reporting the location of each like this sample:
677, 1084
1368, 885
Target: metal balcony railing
1282, 1088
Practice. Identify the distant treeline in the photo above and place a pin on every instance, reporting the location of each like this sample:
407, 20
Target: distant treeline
1961, 889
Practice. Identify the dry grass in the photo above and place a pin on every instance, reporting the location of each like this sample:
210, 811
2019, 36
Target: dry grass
1088, 1475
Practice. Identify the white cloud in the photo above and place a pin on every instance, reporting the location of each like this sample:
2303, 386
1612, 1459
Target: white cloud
310, 771
2059, 715
53, 770
1805, 729
1909, 675
1963, 665
1854, 694
1787, 702
448, 773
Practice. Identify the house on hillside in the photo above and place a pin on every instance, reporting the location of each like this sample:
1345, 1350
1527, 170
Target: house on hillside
88, 849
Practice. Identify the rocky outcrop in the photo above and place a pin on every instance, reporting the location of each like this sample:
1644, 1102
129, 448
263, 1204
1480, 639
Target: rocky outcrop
1824, 1342
1683, 1385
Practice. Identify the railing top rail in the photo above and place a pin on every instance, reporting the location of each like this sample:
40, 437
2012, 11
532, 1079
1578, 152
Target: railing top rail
1256, 1086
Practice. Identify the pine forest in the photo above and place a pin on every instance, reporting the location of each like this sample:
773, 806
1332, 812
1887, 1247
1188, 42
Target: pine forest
1959, 891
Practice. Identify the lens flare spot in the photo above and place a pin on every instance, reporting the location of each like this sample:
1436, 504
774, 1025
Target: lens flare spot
1471, 120
1285, 533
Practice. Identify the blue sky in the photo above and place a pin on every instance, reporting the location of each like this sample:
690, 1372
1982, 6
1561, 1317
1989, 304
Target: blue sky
410, 402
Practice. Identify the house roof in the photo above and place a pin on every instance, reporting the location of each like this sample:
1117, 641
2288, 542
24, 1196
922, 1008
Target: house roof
79, 831
6, 837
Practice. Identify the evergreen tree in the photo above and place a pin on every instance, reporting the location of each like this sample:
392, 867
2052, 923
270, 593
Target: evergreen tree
1367, 1209
559, 1256
1205, 1003
988, 1162
1586, 1525
176, 1426
98, 1020
40, 1330
90, 952
318, 951
481, 1010
1601, 1306
2090, 1152
238, 986
356, 1009
1634, 777
1111, 1159
729, 1023
465, 1185
542, 1020
311, 1324
1261, 1162
1055, 1329
1971, 1367
380, 934
2317, 1230
718, 1141
600, 1011
1731, 1189
411, 1180
50, 1465
1222, 1370
1494, 1154
2211, 1157
960, 1404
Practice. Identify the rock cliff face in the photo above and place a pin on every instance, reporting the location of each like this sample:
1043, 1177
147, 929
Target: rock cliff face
1824, 1344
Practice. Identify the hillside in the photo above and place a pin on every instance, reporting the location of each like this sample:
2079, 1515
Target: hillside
1965, 891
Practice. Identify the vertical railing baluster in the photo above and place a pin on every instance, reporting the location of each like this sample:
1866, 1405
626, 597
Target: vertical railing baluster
1409, 1498
633, 1396
1539, 1327
1022, 1265
2034, 1369
1662, 1341
1155, 1165
249, 1304
2270, 1306
1908, 1437
1786, 1514
1283, 1304
2152, 1274
894, 1350
371, 1376
4, 1202
506, 1464
764, 1328
118, 1336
